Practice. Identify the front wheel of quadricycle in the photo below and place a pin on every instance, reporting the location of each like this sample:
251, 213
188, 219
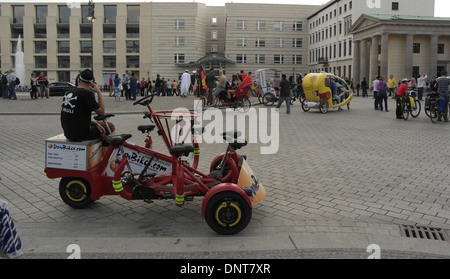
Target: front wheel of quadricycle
227, 213
305, 107
75, 192
417, 109
405, 112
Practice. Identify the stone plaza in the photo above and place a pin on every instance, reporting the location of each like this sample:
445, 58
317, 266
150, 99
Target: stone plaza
339, 182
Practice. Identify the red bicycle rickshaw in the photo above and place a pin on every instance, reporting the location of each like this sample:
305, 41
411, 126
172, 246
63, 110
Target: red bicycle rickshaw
229, 191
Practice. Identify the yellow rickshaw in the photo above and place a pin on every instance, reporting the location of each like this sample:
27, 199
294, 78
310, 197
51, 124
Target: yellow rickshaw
319, 94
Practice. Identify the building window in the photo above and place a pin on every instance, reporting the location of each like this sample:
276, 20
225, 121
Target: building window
179, 58
241, 58
241, 25
85, 31
18, 13
85, 61
260, 59
179, 41
63, 31
213, 48
109, 46
109, 31
63, 61
133, 13
40, 62
179, 24
395, 6
278, 59
441, 49
297, 59
279, 42
260, 25
40, 31
132, 61
278, 25
85, 46
64, 47
214, 35
241, 42
214, 21
109, 61
415, 71
41, 14
64, 14
132, 31
416, 48
298, 25
297, 43
40, 47
110, 14
63, 76
260, 42
132, 46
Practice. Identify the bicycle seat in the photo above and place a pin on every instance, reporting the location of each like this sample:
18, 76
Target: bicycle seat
238, 144
103, 117
181, 150
146, 128
117, 140
231, 136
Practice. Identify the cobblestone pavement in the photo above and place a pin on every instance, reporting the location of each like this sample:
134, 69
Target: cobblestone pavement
357, 172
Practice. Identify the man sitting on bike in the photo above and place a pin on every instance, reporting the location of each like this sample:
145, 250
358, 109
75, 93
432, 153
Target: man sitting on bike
221, 87
401, 92
76, 109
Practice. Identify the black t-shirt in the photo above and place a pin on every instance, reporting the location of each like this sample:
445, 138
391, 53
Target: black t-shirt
76, 110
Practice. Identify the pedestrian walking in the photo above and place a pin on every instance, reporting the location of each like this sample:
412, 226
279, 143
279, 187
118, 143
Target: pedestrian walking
285, 89
364, 87
117, 82
12, 85
375, 92
382, 94
185, 84
5, 85
111, 85
33, 83
133, 86
391, 84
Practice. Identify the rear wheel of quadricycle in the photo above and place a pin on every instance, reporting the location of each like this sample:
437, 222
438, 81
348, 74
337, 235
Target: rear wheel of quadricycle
417, 109
227, 213
75, 192
243, 105
434, 114
323, 107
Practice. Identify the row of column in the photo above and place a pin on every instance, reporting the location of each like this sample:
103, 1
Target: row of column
365, 57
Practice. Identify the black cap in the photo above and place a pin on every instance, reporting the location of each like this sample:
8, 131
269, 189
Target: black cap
87, 76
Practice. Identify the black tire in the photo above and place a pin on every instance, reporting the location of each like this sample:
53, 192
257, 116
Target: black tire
323, 107
269, 99
75, 192
302, 98
434, 113
243, 105
417, 109
305, 108
227, 213
405, 110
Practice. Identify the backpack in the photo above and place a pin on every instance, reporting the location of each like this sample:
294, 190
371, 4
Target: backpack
17, 81
4, 79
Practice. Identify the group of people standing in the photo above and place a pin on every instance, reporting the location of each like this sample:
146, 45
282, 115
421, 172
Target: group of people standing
8, 82
130, 87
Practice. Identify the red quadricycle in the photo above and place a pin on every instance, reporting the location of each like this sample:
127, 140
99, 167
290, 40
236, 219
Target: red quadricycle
229, 190
239, 93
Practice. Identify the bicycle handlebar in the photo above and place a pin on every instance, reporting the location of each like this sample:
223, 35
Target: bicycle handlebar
145, 101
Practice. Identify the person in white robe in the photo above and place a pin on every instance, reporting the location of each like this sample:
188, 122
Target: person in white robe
185, 84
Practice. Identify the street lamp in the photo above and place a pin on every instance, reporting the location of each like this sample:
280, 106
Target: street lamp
91, 18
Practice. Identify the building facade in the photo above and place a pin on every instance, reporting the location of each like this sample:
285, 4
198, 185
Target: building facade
166, 38
331, 42
153, 38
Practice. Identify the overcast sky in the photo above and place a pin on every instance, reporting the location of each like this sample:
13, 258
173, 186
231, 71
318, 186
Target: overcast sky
442, 6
